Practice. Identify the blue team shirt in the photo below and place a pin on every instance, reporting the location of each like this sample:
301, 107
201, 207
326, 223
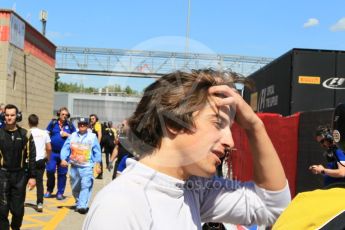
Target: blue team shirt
56, 140
334, 165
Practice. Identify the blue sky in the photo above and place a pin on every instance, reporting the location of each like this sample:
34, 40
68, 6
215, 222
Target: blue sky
265, 28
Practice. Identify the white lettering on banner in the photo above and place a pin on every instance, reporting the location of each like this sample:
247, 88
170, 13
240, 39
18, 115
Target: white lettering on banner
267, 98
270, 90
272, 101
334, 83
262, 99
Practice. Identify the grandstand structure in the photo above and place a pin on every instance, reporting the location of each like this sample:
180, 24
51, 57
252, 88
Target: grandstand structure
147, 64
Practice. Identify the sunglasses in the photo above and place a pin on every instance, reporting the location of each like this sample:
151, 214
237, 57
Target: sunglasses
82, 124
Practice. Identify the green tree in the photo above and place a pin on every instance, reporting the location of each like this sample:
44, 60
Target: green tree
78, 88
56, 84
129, 90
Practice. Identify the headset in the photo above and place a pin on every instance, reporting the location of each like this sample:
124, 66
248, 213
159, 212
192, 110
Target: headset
325, 133
19, 116
61, 109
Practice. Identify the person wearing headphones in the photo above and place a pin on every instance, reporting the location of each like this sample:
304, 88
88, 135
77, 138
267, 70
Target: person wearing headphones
334, 172
17, 168
59, 129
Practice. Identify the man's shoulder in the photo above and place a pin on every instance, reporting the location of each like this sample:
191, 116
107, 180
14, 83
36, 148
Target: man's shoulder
340, 154
22, 130
37, 130
53, 121
122, 203
98, 126
90, 135
123, 190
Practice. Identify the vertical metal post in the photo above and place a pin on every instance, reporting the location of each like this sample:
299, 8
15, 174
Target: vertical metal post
188, 29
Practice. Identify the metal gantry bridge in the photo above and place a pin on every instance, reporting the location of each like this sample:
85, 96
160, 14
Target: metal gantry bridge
147, 64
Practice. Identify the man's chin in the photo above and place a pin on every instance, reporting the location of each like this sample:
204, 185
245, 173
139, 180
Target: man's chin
209, 174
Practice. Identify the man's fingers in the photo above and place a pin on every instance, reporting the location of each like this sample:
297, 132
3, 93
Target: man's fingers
223, 95
224, 90
224, 101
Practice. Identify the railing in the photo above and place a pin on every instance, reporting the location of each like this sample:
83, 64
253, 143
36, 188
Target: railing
147, 64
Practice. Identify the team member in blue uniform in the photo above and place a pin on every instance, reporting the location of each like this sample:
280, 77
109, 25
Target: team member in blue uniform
335, 170
83, 151
59, 129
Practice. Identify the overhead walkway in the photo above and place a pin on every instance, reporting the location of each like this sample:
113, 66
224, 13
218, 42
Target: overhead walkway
147, 64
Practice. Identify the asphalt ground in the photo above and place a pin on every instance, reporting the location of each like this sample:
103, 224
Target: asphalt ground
58, 214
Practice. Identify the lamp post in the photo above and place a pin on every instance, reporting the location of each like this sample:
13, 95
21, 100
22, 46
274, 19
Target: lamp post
188, 28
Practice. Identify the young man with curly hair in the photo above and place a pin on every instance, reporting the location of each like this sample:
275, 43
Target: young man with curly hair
181, 130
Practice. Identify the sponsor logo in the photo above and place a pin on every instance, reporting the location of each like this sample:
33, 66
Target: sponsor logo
268, 98
334, 83
314, 80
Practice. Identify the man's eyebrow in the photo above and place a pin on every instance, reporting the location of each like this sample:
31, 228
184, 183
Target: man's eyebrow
218, 116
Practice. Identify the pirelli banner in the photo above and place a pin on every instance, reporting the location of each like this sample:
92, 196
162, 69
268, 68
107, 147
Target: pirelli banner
310, 71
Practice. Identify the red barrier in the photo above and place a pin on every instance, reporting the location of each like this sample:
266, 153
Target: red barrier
283, 132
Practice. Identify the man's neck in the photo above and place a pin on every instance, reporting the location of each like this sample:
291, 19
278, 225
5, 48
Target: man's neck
11, 127
164, 165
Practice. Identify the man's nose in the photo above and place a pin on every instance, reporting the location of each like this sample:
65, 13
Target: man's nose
227, 140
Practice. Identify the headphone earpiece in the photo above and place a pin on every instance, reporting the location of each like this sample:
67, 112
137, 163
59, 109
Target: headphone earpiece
19, 116
327, 135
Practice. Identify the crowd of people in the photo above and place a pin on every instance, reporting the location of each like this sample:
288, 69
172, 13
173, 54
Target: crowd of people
27, 154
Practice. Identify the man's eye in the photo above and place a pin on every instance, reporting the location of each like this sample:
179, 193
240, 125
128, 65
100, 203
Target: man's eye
218, 124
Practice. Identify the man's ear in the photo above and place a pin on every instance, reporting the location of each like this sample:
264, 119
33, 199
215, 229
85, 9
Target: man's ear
173, 130
176, 131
